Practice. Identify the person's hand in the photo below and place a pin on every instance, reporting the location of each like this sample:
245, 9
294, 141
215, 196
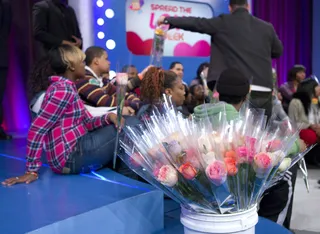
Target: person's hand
145, 70
302, 145
204, 73
77, 40
161, 20
68, 43
127, 110
26, 178
113, 118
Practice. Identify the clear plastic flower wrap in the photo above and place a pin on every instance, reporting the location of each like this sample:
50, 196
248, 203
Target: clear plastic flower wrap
158, 45
220, 163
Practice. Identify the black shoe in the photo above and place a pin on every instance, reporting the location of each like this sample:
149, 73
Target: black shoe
318, 181
4, 136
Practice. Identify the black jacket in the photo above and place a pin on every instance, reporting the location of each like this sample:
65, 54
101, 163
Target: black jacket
51, 26
5, 25
238, 40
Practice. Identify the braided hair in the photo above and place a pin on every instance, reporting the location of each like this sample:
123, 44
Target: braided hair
154, 84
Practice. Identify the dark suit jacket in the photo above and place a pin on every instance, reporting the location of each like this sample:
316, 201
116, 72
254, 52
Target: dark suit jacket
50, 27
5, 25
238, 40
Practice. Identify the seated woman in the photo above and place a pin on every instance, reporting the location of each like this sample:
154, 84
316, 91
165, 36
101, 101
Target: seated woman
197, 97
157, 82
203, 68
299, 109
74, 141
295, 76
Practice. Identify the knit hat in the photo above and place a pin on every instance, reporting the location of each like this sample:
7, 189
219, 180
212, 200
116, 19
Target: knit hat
233, 83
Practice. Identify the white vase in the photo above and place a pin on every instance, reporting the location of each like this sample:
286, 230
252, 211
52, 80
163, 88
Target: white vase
238, 223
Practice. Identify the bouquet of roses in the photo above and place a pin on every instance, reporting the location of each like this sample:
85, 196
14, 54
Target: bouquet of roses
215, 164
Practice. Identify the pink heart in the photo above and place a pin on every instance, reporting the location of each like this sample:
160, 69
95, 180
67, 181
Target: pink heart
200, 49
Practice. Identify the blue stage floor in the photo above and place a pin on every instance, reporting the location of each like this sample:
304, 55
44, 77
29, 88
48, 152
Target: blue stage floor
102, 202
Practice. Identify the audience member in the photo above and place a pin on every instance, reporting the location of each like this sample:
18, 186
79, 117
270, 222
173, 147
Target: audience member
97, 91
157, 82
131, 70
54, 23
178, 69
231, 35
295, 76
197, 97
203, 68
75, 142
299, 109
5, 26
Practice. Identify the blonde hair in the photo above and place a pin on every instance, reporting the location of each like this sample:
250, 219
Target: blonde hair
71, 55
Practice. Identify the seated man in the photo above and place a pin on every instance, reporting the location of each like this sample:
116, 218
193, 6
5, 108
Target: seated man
98, 91
132, 72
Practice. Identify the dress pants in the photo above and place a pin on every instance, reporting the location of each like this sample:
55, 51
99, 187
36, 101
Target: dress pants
3, 83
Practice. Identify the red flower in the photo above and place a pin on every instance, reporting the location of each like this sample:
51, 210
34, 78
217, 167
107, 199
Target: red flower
188, 171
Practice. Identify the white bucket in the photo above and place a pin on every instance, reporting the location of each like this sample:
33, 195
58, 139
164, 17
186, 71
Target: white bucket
239, 223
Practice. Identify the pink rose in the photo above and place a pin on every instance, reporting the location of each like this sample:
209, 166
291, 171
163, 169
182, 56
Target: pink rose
191, 156
215, 95
251, 141
168, 176
217, 172
188, 171
156, 168
262, 164
274, 145
122, 78
174, 148
245, 155
242, 153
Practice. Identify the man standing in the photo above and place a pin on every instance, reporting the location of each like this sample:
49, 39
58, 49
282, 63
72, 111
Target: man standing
55, 23
5, 25
238, 40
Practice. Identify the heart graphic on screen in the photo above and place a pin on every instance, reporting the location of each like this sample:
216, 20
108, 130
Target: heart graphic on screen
138, 46
200, 49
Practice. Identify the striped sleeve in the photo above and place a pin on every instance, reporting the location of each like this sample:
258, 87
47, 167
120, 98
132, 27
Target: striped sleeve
132, 101
94, 95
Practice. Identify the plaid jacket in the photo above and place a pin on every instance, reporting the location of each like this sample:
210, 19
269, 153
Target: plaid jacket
61, 121
94, 95
287, 90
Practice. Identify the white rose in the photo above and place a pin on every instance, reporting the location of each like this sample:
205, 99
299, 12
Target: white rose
204, 144
168, 176
285, 164
209, 157
277, 156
